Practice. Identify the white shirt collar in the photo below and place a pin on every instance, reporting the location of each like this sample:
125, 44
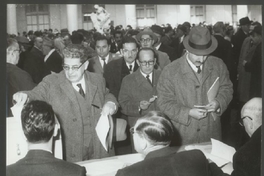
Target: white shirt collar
82, 82
106, 59
157, 47
150, 75
192, 65
133, 65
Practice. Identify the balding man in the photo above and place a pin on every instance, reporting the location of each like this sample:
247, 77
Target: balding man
247, 160
34, 63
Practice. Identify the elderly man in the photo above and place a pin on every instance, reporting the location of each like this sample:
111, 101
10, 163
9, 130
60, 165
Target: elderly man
247, 160
78, 99
34, 63
195, 89
147, 39
17, 78
152, 136
137, 95
39, 126
102, 47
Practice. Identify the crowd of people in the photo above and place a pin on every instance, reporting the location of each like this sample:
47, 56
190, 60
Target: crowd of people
174, 87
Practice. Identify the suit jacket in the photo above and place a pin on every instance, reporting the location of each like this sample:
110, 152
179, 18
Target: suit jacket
35, 66
169, 51
59, 92
135, 88
43, 163
54, 62
179, 90
18, 80
114, 73
95, 65
166, 162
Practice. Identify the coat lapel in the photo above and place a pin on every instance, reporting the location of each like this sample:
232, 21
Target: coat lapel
98, 65
142, 81
207, 69
187, 71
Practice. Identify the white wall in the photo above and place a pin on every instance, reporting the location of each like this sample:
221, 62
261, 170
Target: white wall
215, 13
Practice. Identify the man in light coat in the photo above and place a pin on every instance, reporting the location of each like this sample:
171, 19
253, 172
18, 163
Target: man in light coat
183, 86
78, 98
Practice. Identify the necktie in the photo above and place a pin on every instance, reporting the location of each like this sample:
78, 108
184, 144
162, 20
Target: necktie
130, 69
199, 69
81, 90
104, 62
148, 80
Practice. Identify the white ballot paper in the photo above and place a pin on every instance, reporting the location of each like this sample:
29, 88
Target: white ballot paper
102, 129
218, 152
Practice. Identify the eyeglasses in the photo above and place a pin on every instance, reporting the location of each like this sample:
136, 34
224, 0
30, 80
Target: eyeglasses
145, 40
144, 63
74, 68
241, 120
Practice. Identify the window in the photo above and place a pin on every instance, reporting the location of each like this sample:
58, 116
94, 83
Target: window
197, 14
37, 17
87, 9
146, 14
234, 15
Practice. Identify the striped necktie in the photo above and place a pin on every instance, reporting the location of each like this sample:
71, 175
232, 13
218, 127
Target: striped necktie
81, 90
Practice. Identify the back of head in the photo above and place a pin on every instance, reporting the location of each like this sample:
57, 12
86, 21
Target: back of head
219, 27
156, 128
77, 38
38, 121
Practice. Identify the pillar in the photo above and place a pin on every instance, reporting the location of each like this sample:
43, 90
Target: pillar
131, 18
11, 19
72, 14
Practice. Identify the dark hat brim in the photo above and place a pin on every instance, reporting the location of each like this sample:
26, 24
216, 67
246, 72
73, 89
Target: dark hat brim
200, 52
153, 36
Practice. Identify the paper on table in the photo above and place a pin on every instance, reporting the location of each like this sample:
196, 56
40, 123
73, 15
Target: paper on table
218, 152
222, 150
102, 129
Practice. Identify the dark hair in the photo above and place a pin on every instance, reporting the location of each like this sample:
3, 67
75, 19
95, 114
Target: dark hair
75, 51
155, 127
38, 121
128, 39
102, 37
77, 38
118, 32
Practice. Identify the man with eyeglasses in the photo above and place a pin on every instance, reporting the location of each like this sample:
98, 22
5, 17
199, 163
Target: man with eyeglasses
78, 98
247, 159
17, 79
138, 93
147, 39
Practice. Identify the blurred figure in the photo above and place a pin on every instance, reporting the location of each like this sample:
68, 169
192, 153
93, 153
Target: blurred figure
39, 125
17, 79
152, 136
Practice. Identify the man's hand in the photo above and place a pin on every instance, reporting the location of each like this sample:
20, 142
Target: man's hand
197, 113
109, 108
144, 104
213, 106
20, 98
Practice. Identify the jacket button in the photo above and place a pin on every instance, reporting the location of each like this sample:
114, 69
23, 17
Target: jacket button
74, 120
197, 87
198, 129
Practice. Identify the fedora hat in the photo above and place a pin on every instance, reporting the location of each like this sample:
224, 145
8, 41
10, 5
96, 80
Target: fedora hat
147, 31
244, 21
200, 41
157, 29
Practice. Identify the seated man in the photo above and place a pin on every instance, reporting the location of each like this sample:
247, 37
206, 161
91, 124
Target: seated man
247, 160
39, 126
152, 136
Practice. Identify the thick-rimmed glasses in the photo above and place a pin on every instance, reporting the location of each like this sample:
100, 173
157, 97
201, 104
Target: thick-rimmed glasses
144, 63
73, 68
145, 40
241, 120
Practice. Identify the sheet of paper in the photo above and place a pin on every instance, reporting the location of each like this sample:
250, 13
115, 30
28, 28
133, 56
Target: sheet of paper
222, 150
102, 129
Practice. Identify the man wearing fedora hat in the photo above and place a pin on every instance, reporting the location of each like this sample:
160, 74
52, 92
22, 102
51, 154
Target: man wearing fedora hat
147, 39
183, 89
237, 41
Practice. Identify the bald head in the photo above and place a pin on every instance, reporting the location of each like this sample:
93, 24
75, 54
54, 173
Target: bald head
252, 109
